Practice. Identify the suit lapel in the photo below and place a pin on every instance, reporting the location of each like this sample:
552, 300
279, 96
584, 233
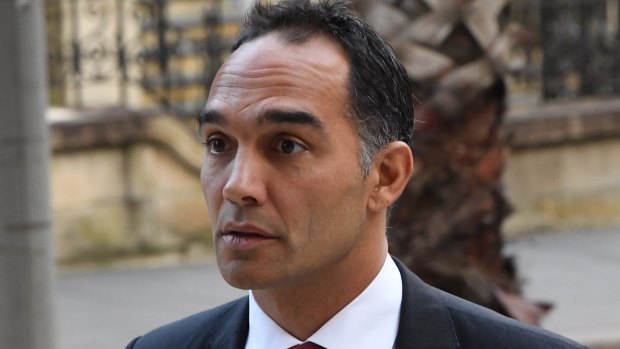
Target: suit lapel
232, 331
425, 322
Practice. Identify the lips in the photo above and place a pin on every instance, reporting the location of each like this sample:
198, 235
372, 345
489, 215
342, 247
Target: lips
234, 228
244, 236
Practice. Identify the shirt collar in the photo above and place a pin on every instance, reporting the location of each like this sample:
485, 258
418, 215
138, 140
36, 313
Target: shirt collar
369, 321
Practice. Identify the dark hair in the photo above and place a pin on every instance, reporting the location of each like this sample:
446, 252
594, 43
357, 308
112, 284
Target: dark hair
379, 90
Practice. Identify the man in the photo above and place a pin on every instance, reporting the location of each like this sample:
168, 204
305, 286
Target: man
307, 131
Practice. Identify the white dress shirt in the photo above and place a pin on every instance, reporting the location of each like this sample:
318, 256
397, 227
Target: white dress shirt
369, 321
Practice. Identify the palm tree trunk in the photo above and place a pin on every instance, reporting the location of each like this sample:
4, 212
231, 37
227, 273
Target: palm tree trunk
447, 225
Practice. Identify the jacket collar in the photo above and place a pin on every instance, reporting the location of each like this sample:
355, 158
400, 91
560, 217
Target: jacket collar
233, 328
425, 321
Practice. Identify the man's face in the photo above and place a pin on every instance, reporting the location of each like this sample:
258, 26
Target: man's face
281, 174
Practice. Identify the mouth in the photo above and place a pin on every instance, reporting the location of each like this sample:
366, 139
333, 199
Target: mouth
244, 236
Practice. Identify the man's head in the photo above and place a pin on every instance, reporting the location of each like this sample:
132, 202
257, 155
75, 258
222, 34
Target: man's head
289, 201
380, 100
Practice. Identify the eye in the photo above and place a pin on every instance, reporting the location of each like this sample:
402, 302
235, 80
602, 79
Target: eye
217, 144
288, 146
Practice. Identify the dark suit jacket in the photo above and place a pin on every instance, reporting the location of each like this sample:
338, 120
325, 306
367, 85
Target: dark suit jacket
429, 319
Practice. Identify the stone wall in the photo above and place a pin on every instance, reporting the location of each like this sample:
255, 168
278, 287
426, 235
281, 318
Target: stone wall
564, 171
125, 184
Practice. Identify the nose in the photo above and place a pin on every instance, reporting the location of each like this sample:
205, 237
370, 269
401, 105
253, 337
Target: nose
245, 185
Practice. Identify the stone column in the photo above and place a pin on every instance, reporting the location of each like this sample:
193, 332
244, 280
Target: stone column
26, 262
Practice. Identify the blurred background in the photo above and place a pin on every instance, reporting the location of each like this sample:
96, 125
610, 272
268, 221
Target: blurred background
125, 80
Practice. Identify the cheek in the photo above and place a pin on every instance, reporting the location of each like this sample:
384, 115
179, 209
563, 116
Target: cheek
332, 202
212, 192
205, 183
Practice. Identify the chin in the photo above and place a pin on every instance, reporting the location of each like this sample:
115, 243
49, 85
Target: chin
240, 276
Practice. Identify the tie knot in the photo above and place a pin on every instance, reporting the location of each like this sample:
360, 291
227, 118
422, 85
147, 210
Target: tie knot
307, 345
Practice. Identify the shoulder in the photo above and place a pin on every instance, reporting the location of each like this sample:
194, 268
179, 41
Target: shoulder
196, 330
479, 327
428, 313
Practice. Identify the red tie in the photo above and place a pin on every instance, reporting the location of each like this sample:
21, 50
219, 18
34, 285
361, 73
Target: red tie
307, 345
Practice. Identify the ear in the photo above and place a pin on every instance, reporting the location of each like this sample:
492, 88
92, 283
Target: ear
393, 166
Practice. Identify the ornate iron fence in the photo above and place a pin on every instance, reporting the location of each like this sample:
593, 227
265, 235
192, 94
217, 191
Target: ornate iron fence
577, 48
136, 53
164, 53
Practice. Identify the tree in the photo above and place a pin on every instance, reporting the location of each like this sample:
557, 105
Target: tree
447, 225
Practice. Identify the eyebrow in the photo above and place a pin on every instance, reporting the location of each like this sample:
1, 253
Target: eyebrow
271, 116
210, 117
276, 116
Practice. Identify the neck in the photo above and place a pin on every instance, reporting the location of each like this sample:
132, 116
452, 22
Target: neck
302, 307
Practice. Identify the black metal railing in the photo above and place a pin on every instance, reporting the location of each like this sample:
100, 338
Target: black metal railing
577, 48
150, 53
136, 52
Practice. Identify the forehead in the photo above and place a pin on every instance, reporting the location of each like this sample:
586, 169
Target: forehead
273, 48
270, 73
